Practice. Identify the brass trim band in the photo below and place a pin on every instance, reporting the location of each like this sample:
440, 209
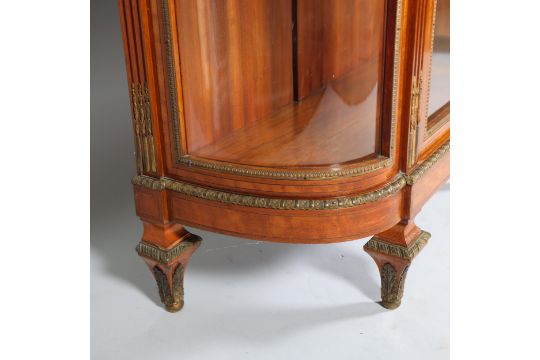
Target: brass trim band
291, 204
284, 204
407, 253
174, 115
148, 182
165, 256
395, 77
268, 203
288, 174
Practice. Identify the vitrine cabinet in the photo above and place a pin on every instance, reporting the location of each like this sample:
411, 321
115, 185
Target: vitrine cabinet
299, 121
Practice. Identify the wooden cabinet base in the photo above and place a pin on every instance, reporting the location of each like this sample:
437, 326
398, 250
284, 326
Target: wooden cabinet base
165, 205
169, 264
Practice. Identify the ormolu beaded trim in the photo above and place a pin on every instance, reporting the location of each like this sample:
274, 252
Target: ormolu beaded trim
291, 204
165, 256
433, 22
148, 182
407, 253
287, 174
171, 79
268, 203
284, 204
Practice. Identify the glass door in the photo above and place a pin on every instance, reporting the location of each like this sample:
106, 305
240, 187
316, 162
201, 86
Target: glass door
440, 66
282, 83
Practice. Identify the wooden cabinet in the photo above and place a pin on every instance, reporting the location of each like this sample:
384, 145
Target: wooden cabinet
300, 121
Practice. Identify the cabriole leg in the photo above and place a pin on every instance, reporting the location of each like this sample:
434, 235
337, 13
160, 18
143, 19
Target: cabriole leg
393, 252
166, 249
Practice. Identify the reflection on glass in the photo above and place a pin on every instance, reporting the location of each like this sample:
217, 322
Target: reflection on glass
259, 91
440, 68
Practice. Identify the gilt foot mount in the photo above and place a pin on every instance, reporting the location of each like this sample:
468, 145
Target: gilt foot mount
393, 262
168, 266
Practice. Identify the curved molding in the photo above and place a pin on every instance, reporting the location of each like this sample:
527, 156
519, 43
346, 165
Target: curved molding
265, 202
148, 182
287, 174
290, 204
284, 204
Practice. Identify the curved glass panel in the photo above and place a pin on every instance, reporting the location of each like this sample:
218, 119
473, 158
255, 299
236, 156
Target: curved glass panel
282, 82
440, 66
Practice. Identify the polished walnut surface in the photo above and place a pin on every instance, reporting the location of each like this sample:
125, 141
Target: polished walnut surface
239, 56
332, 126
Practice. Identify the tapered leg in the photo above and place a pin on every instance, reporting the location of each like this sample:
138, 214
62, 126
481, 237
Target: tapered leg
166, 249
393, 252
